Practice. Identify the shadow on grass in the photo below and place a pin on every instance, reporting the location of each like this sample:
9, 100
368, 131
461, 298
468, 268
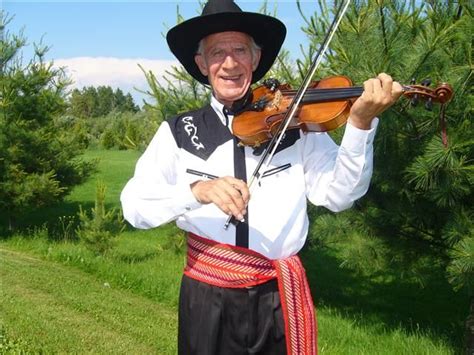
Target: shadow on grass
435, 310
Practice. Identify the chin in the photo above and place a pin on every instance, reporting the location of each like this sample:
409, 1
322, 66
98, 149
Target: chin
232, 96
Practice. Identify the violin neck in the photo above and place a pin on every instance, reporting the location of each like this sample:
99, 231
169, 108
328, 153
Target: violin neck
331, 94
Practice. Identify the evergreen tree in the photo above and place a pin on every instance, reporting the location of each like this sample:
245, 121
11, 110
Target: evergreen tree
77, 104
105, 100
129, 104
421, 194
119, 98
38, 156
99, 101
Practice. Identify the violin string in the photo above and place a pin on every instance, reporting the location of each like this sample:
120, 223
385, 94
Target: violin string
335, 93
322, 95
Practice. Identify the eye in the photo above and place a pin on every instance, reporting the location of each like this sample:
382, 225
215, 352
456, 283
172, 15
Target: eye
217, 53
240, 51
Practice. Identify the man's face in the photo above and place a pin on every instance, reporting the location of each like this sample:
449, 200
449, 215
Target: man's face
228, 62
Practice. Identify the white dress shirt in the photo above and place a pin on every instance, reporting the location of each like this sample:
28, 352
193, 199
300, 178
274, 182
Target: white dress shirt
313, 168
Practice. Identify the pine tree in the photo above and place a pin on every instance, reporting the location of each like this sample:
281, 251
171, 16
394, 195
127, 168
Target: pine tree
421, 194
99, 101
39, 156
99, 227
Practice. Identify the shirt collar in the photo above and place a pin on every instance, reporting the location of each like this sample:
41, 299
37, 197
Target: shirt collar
223, 114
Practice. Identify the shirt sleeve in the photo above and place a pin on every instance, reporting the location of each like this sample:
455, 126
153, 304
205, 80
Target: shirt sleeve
153, 196
336, 176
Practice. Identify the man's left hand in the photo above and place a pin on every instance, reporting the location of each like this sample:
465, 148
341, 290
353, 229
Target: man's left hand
379, 94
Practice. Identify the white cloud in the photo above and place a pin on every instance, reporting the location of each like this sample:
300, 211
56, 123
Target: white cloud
123, 73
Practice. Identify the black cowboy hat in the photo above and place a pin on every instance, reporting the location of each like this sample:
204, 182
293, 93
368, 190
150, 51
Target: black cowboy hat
221, 16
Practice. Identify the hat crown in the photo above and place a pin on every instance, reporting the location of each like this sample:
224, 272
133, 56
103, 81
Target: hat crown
219, 6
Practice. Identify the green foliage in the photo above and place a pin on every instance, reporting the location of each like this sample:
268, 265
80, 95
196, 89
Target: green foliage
39, 161
117, 130
95, 102
179, 93
98, 228
421, 190
461, 267
127, 130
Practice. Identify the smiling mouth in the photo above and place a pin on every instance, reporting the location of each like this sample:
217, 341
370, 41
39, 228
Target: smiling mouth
231, 77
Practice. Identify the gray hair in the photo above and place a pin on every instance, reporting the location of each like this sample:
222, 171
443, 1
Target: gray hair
254, 47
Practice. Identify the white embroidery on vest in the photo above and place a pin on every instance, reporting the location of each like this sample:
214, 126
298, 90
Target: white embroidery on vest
191, 130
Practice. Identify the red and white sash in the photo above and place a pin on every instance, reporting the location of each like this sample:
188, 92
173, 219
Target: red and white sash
229, 266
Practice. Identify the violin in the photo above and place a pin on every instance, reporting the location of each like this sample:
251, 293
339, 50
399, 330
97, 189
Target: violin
325, 106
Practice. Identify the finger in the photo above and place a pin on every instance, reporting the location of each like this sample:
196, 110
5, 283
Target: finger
226, 204
368, 88
377, 90
243, 189
221, 194
397, 90
386, 83
241, 186
232, 197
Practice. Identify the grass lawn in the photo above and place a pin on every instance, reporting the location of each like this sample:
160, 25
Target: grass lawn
58, 297
54, 308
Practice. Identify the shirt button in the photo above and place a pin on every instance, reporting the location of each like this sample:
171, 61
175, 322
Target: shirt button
188, 208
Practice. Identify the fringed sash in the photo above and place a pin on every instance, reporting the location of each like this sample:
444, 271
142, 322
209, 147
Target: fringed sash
228, 266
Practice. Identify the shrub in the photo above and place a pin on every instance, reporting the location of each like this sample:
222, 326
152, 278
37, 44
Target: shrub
98, 229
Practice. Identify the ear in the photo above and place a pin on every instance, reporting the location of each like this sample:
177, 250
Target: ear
201, 63
256, 59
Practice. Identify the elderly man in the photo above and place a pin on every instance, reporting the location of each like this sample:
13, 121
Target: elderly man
244, 290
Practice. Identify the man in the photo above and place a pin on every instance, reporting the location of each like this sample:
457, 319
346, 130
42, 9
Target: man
244, 290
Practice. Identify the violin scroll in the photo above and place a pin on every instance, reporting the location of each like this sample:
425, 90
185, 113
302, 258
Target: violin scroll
441, 94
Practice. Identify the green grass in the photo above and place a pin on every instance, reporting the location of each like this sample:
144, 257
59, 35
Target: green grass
115, 167
145, 262
383, 314
54, 299
54, 308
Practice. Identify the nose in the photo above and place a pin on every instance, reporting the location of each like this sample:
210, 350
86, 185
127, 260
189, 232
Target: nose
229, 62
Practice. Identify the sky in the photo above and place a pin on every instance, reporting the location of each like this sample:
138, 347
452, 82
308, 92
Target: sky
102, 42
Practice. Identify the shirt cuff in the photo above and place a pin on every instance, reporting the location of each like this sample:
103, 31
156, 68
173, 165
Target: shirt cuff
356, 140
187, 199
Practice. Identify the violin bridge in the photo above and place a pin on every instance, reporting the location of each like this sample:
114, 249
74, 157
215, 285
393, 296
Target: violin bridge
275, 104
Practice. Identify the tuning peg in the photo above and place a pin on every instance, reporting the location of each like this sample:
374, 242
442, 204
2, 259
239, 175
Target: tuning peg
414, 101
426, 82
429, 104
271, 84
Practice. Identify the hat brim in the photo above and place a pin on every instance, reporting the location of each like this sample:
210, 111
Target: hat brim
267, 32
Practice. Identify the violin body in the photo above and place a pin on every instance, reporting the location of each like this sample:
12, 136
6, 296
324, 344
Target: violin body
256, 126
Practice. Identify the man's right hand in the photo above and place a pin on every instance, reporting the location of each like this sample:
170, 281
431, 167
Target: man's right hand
231, 195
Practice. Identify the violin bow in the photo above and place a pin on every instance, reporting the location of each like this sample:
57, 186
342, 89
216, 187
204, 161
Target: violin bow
269, 152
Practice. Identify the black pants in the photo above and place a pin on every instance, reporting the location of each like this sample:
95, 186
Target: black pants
215, 320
